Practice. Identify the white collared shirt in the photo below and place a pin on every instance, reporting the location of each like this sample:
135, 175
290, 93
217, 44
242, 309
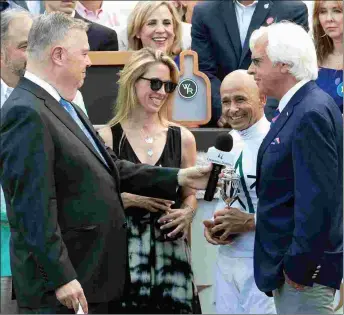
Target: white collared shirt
78, 99
287, 96
244, 16
34, 6
105, 15
5, 92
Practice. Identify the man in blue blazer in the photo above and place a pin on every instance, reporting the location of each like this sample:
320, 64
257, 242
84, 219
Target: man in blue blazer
298, 250
221, 31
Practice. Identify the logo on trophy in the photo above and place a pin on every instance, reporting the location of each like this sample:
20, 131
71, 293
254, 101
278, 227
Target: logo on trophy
187, 88
229, 192
230, 185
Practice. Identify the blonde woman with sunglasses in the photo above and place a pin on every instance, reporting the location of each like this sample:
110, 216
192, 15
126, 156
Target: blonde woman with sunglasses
160, 270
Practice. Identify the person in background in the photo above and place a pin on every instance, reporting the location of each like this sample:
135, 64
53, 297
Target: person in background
15, 27
100, 38
155, 24
298, 252
220, 35
160, 270
185, 9
102, 12
328, 38
235, 289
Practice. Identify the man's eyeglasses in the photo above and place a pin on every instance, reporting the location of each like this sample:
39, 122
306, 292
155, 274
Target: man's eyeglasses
156, 84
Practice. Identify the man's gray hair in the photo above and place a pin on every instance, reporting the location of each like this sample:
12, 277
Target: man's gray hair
49, 29
289, 43
7, 17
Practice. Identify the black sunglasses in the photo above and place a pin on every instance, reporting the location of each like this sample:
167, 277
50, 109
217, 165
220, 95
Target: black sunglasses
156, 84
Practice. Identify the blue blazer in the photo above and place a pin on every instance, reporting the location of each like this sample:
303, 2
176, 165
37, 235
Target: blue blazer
216, 39
300, 188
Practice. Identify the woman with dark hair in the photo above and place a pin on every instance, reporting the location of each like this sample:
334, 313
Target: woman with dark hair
328, 37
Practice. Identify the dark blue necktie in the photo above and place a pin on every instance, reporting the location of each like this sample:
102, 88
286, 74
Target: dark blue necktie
71, 110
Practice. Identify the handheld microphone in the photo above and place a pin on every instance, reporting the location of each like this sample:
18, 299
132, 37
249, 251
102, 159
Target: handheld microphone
219, 156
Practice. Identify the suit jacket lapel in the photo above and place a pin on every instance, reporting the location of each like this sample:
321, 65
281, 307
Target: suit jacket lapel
258, 18
100, 145
279, 124
60, 113
227, 9
67, 120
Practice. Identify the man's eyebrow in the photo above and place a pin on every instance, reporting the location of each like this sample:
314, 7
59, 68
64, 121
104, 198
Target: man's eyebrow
22, 42
225, 98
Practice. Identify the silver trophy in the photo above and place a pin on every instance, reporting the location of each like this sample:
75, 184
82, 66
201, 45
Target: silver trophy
230, 185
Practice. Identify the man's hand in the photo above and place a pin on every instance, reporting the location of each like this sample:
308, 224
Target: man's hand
195, 177
149, 203
232, 221
71, 294
295, 285
208, 225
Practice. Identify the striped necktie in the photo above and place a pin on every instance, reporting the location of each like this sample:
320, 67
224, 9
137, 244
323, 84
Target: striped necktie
71, 110
276, 115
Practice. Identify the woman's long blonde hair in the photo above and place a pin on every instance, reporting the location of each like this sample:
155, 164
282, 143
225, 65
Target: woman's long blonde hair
138, 18
323, 43
137, 66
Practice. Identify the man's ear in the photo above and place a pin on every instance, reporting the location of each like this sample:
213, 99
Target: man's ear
2, 58
57, 54
285, 68
262, 98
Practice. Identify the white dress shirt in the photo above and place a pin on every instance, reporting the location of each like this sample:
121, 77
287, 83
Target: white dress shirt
244, 16
78, 99
5, 92
34, 6
287, 96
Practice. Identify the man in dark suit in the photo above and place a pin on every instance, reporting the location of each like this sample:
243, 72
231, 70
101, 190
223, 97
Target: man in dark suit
62, 187
221, 31
100, 38
298, 250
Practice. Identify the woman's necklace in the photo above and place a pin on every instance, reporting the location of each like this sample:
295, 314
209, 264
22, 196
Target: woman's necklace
149, 139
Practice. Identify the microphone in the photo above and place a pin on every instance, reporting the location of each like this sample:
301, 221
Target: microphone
219, 156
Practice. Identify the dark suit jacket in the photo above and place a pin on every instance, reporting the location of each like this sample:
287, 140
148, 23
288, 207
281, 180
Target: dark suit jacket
300, 190
100, 38
216, 39
63, 202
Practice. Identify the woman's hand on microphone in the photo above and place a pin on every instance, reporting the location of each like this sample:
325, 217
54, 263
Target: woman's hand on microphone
149, 203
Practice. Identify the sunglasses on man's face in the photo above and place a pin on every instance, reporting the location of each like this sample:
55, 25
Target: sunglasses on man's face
156, 84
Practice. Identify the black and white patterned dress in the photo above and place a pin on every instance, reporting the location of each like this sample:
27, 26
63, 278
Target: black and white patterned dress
160, 271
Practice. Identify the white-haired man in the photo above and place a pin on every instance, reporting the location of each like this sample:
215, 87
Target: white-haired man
62, 186
298, 254
235, 289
